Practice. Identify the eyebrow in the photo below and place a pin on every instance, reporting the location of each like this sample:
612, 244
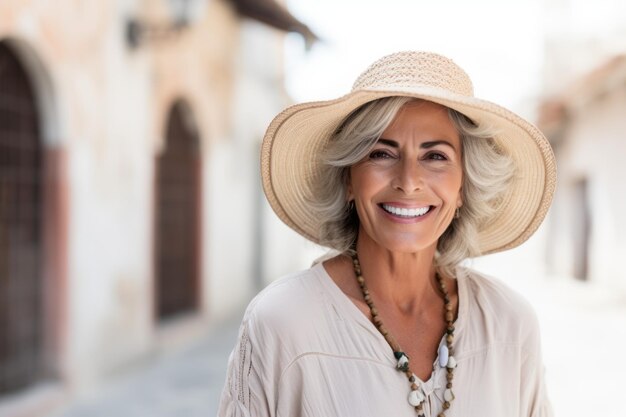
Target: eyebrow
424, 145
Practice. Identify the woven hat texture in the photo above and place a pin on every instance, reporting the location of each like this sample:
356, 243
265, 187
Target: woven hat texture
297, 134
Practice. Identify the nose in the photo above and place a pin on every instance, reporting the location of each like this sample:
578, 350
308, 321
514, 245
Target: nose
409, 176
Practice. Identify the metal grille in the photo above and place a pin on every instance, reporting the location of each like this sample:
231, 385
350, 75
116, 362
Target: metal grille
20, 228
177, 218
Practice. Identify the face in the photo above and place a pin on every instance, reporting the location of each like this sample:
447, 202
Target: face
407, 189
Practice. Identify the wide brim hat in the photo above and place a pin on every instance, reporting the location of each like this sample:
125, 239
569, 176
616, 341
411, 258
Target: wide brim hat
290, 168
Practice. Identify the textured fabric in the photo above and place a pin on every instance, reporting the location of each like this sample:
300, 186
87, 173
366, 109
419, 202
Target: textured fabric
305, 349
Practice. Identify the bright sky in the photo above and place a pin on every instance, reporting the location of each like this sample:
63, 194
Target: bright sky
498, 42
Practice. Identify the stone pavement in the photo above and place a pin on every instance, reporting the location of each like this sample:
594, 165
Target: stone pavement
185, 383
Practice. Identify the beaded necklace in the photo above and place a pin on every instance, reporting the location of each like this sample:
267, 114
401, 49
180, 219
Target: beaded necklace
416, 396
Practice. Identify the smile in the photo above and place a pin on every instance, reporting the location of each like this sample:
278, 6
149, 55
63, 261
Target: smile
407, 213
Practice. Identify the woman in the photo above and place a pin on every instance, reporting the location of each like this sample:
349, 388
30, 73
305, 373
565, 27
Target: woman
404, 178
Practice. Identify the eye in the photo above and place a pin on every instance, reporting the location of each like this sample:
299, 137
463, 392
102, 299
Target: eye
437, 156
380, 154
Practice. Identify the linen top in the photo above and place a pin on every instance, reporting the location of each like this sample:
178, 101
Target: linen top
305, 349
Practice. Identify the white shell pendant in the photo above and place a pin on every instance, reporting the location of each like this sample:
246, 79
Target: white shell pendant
448, 395
403, 362
416, 398
451, 363
443, 355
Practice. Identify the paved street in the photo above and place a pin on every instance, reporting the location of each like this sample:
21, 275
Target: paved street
186, 383
583, 328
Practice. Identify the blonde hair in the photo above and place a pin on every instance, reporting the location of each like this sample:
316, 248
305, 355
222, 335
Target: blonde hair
486, 176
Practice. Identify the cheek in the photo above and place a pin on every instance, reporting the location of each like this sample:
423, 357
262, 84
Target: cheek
450, 185
362, 182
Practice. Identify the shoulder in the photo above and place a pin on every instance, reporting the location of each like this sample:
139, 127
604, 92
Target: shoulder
296, 291
288, 306
494, 294
502, 310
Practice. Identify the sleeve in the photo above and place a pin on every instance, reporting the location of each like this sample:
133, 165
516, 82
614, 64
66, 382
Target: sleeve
534, 398
244, 391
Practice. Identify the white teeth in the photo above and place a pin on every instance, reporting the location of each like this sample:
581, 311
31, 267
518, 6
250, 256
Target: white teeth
404, 212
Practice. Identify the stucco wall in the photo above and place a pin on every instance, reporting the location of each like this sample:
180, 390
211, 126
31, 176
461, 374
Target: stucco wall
104, 107
593, 148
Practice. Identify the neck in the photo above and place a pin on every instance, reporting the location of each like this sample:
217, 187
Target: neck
403, 280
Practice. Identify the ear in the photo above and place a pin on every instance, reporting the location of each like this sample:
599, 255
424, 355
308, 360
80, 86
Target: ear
349, 193
459, 200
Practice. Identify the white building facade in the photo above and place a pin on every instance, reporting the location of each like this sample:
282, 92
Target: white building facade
130, 201
582, 113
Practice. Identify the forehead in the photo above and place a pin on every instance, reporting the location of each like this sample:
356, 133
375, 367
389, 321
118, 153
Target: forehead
423, 119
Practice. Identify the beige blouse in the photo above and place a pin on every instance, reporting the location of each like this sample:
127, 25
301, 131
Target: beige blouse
305, 349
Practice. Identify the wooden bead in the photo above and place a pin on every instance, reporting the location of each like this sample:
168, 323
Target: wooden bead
449, 338
449, 385
449, 316
414, 386
446, 405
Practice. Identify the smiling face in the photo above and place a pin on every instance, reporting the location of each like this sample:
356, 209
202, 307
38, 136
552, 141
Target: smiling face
407, 188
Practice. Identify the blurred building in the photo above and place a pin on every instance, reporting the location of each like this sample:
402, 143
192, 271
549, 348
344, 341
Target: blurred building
582, 114
587, 128
130, 200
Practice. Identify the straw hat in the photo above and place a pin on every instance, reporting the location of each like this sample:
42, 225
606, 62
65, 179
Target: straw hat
289, 168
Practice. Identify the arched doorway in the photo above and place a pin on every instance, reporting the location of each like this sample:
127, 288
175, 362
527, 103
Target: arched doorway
21, 245
178, 216
581, 229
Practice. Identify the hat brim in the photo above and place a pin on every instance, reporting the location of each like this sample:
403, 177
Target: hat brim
289, 166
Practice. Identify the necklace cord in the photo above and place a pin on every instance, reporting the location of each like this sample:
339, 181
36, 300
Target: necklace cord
446, 358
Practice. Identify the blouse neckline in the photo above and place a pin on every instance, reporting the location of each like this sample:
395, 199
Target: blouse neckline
343, 302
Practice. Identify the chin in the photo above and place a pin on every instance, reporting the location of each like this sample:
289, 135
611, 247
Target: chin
409, 244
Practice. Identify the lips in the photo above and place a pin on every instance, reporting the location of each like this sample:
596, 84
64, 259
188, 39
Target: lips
405, 212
